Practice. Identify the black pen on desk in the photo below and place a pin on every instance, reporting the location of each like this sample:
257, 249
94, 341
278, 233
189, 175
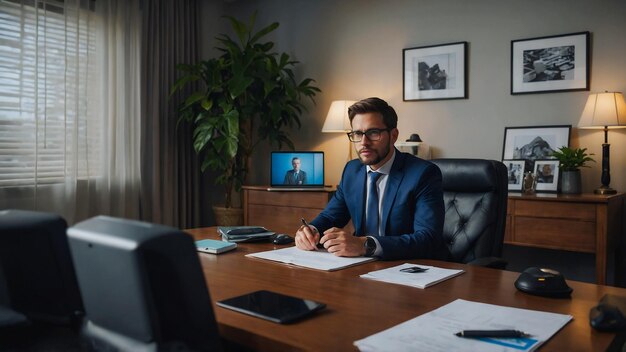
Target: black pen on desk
492, 333
319, 245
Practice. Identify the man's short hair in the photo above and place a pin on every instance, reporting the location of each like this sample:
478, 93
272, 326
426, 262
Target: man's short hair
294, 159
390, 118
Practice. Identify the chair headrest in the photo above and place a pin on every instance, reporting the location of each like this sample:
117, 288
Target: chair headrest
468, 175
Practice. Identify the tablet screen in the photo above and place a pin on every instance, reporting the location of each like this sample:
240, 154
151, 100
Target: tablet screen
272, 306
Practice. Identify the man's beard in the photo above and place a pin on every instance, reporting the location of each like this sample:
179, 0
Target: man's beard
377, 159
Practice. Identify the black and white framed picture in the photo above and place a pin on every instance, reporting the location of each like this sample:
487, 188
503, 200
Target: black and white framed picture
556, 63
515, 173
435, 72
547, 175
534, 142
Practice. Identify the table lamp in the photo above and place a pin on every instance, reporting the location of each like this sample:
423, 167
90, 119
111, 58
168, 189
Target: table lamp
604, 110
337, 119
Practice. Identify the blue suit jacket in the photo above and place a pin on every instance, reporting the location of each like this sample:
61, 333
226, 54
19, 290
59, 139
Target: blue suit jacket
412, 210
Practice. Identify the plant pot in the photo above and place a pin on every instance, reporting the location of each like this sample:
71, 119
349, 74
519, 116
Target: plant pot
571, 182
228, 216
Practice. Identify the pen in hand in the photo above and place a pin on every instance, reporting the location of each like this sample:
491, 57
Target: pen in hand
492, 333
319, 245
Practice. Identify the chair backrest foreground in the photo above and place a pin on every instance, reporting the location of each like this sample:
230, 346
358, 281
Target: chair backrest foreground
142, 286
37, 279
475, 194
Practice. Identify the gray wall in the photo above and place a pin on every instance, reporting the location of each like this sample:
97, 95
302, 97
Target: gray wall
353, 49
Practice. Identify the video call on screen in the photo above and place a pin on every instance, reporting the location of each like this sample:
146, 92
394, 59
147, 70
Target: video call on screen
311, 168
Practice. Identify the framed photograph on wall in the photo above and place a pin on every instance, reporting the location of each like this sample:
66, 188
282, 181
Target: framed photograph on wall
515, 173
556, 63
547, 175
435, 72
534, 142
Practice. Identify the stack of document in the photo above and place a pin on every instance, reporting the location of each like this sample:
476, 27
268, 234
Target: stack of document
421, 279
436, 330
244, 233
318, 259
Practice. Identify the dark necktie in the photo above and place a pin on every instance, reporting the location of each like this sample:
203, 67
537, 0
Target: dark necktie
371, 218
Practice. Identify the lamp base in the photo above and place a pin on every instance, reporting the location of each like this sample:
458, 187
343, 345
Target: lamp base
604, 190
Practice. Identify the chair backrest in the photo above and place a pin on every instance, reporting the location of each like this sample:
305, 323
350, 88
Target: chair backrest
475, 193
37, 276
143, 287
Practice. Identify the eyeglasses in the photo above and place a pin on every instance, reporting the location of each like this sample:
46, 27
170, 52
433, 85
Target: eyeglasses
373, 134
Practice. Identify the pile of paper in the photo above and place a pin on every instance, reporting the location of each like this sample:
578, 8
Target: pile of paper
422, 279
435, 331
318, 259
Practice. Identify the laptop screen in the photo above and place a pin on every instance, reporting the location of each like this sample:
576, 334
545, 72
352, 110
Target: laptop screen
297, 169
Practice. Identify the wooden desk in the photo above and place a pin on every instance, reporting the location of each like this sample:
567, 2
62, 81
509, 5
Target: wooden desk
280, 211
587, 223
358, 307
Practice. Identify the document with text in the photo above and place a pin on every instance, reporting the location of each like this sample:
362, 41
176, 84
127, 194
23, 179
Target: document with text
317, 259
435, 331
422, 279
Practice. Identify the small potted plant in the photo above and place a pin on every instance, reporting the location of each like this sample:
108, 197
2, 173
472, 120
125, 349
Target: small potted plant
570, 162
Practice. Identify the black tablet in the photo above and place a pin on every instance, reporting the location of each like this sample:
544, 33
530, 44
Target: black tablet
272, 306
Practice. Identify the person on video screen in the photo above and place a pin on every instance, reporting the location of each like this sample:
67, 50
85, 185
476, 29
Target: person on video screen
295, 176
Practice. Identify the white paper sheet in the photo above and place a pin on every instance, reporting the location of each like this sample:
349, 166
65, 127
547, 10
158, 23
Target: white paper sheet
434, 331
318, 259
420, 280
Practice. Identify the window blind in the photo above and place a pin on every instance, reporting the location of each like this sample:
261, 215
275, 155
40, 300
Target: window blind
49, 128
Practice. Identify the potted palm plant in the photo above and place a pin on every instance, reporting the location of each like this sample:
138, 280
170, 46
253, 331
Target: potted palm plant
570, 162
247, 95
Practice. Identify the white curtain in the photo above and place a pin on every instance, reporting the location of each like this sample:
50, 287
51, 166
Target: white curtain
69, 107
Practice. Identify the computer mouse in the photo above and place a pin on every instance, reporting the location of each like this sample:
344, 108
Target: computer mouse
543, 282
281, 238
607, 317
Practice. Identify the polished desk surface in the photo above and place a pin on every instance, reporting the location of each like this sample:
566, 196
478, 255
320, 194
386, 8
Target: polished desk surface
357, 308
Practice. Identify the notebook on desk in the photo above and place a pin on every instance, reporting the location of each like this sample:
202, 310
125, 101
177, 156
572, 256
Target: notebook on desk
297, 171
244, 233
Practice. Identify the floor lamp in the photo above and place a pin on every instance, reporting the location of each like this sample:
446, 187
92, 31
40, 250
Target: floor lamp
337, 120
604, 110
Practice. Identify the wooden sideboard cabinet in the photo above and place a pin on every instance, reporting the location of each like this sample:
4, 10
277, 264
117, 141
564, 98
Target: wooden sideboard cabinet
587, 223
280, 211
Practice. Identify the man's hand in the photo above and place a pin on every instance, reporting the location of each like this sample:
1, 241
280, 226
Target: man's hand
307, 238
343, 244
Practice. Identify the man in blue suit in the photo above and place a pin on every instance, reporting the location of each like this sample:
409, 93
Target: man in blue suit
394, 199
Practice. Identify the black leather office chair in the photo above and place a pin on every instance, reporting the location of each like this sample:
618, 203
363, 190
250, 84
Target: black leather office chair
475, 195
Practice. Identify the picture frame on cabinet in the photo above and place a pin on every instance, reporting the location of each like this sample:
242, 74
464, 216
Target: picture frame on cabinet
515, 173
557, 63
435, 72
547, 175
532, 143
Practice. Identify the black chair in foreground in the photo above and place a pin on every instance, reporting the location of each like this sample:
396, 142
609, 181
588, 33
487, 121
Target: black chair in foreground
37, 278
143, 287
40, 304
475, 193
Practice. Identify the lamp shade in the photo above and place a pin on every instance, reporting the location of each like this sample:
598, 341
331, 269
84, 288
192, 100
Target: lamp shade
604, 109
337, 119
